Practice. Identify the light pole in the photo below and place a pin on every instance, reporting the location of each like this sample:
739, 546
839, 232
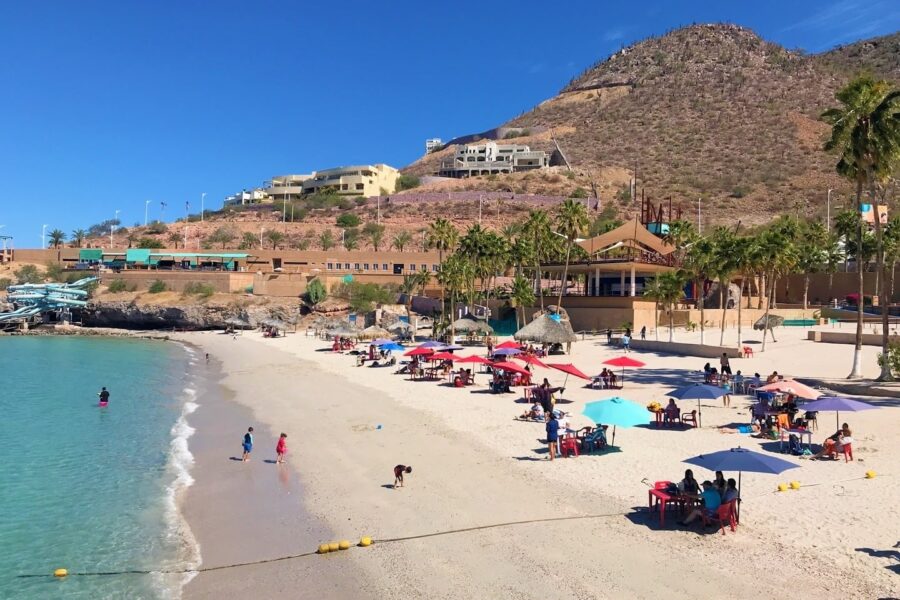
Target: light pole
146, 209
699, 222
480, 201
260, 236
112, 229
43, 237
828, 211
202, 198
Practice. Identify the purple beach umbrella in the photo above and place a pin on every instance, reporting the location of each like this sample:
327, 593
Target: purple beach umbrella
507, 352
432, 344
837, 404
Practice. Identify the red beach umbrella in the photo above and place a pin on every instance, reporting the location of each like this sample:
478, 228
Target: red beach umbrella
442, 356
509, 344
624, 361
531, 360
419, 352
508, 366
473, 359
568, 369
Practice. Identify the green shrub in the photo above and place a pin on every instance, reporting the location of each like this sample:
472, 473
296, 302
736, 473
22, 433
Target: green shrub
5, 282
315, 292
579, 192
157, 227
893, 358
740, 191
117, 285
347, 220
344, 204
195, 288
407, 182
55, 272
28, 274
157, 286
150, 243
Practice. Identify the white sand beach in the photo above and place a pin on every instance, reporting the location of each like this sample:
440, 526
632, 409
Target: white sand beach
475, 466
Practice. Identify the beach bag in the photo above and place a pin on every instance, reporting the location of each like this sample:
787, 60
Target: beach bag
794, 445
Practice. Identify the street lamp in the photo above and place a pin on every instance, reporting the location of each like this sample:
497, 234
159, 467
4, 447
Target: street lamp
202, 197
828, 211
112, 229
43, 236
146, 209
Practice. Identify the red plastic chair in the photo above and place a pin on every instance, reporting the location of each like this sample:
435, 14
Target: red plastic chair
748, 352
568, 445
848, 452
689, 418
724, 516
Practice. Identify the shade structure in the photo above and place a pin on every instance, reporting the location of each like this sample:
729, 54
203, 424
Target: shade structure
419, 352
568, 369
546, 330
740, 460
393, 347
509, 344
624, 361
530, 359
381, 342
374, 332
442, 356
238, 322
773, 321
343, 332
473, 359
836, 404
617, 412
790, 386
699, 392
432, 344
471, 324
506, 351
511, 367
452, 347
400, 327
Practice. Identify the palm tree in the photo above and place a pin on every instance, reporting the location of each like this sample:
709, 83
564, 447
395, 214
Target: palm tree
865, 134
248, 239
375, 233
697, 264
326, 240
522, 294
78, 236
571, 221
401, 240
56, 237
536, 230
723, 266
174, 239
744, 252
442, 236
275, 237
811, 254
832, 258
653, 289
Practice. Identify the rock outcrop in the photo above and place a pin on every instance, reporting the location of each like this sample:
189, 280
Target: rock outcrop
130, 315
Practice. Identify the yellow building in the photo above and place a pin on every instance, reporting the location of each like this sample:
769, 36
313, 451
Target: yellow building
360, 180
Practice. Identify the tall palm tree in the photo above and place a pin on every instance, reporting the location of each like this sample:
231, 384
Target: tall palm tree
666, 289
571, 222
56, 237
401, 240
832, 258
443, 237
537, 230
523, 295
865, 134
174, 239
811, 254
723, 266
653, 289
697, 263
78, 237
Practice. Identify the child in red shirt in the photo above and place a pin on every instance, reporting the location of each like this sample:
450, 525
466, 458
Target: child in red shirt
281, 448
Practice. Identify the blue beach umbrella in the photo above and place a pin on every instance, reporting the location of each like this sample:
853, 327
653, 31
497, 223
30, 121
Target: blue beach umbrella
392, 346
740, 460
837, 404
616, 412
698, 392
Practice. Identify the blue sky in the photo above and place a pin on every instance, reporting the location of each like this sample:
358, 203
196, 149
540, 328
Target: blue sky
107, 104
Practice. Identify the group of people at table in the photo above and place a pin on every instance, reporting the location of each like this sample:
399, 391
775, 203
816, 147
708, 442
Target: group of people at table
703, 498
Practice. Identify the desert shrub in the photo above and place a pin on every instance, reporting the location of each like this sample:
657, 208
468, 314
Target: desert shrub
157, 227
157, 287
893, 358
5, 282
55, 272
347, 220
150, 243
740, 191
407, 182
117, 285
195, 288
28, 274
579, 192
315, 292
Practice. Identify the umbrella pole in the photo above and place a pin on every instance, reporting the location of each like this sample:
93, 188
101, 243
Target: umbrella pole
614, 437
699, 414
837, 419
738, 507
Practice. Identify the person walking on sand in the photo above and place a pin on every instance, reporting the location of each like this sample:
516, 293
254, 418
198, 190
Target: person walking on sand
725, 364
281, 449
399, 470
247, 444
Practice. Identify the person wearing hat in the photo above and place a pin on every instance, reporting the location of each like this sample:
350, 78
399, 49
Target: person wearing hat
711, 502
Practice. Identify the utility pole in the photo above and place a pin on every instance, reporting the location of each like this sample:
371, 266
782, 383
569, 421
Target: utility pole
260, 236
146, 209
43, 237
202, 198
112, 228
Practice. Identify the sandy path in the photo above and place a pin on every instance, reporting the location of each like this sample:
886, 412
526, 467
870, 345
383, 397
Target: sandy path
465, 447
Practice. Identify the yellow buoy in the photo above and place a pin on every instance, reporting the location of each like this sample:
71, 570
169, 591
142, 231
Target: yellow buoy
782, 487
795, 485
60, 572
333, 546
366, 541
870, 474
343, 544
323, 549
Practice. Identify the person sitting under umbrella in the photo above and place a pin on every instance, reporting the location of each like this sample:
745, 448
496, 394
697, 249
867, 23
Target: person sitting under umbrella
835, 442
672, 411
711, 502
689, 486
731, 492
536, 413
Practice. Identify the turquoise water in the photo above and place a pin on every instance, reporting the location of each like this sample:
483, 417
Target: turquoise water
89, 488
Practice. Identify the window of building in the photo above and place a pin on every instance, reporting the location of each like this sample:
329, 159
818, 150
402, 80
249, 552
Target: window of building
356, 266
347, 266
360, 186
365, 266
412, 267
435, 268
384, 267
330, 266
344, 186
424, 267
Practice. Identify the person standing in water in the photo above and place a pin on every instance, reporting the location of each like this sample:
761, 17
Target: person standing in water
247, 444
104, 396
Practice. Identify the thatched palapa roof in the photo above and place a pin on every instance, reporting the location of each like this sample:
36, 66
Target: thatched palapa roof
546, 330
374, 332
238, 322
774, 321
470, 323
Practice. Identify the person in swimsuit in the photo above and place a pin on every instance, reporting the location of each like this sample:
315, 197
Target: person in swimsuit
399, 470
104, 396
247, 444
